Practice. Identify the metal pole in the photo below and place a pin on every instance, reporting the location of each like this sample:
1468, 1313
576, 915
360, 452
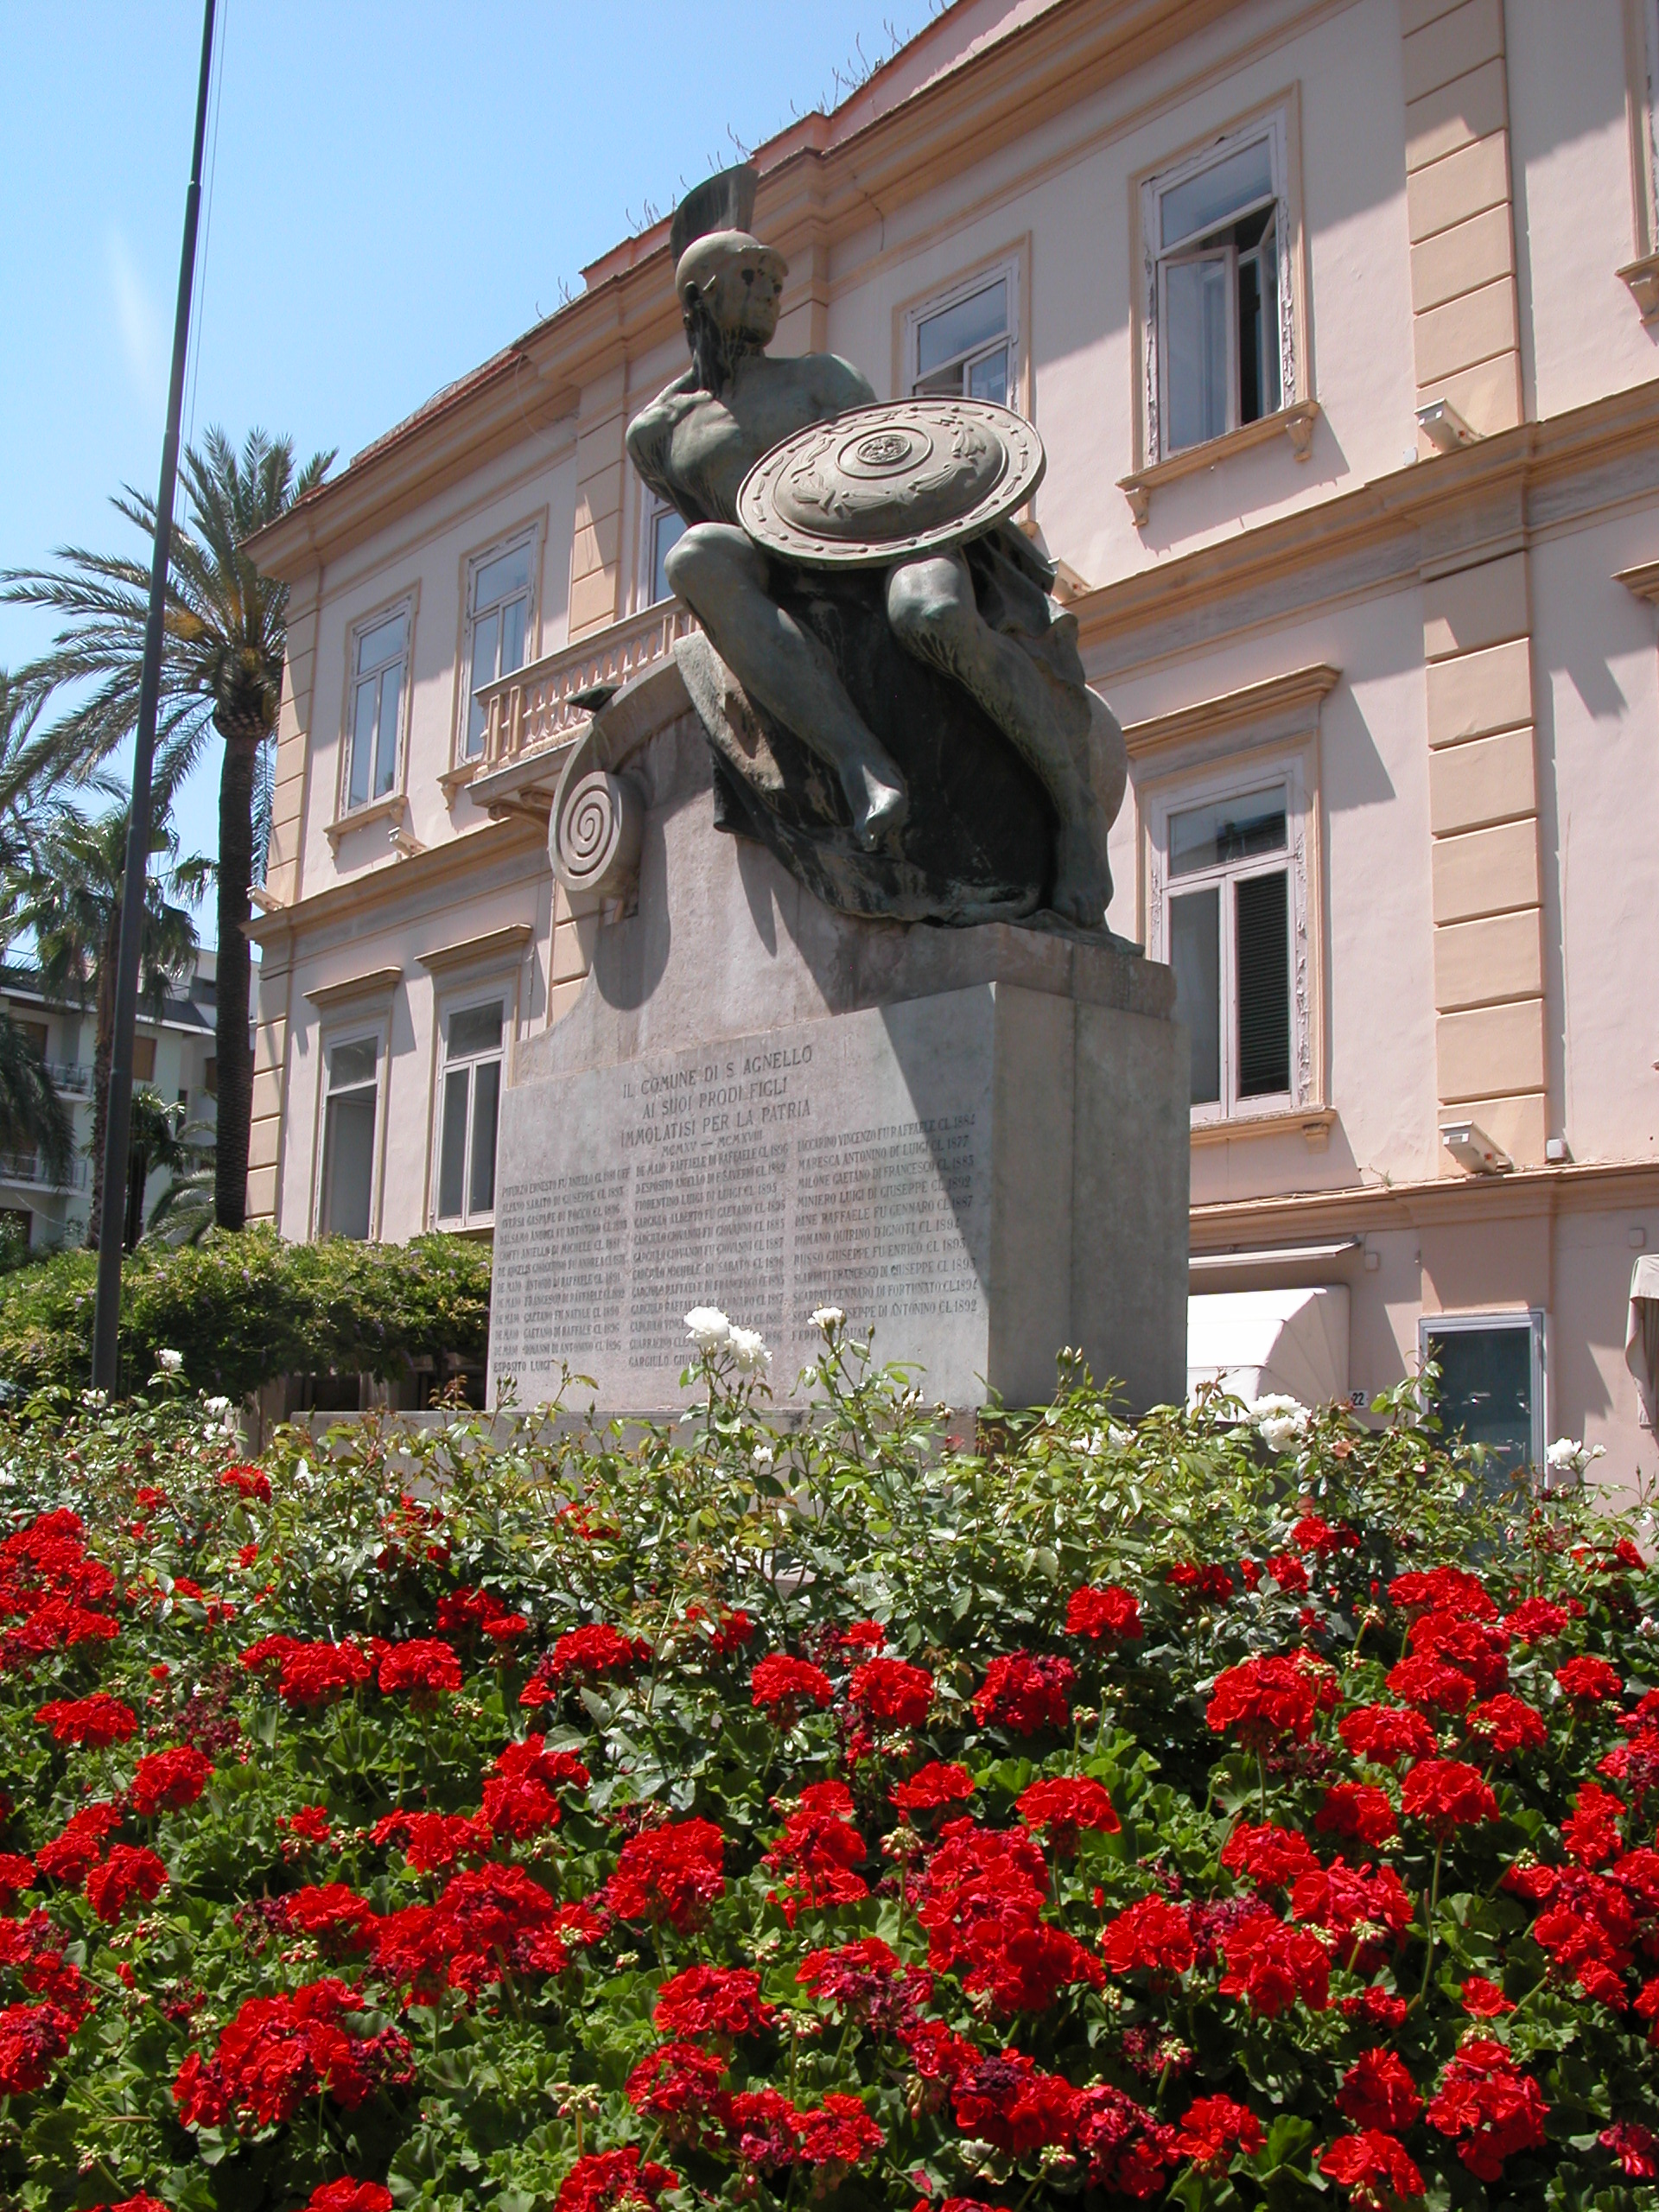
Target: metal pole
118, 1122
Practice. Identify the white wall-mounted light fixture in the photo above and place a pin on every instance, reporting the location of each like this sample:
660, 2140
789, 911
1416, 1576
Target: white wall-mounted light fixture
1443, 428
1473, 1150
1557, 1151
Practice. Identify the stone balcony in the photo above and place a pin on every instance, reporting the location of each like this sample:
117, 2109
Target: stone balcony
532, 715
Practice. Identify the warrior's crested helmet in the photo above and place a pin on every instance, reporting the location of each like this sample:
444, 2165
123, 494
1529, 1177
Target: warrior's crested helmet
711, 228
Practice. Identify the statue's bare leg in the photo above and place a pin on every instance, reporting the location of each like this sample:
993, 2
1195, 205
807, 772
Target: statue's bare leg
721, 576
930, 605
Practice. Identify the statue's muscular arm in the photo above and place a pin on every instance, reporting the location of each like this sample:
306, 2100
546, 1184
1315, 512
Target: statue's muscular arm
653, 427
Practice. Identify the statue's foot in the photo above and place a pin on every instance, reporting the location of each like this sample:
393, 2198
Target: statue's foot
1082, 882
880, 807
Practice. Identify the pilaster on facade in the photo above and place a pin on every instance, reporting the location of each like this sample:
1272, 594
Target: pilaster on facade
1466, 319
596, 548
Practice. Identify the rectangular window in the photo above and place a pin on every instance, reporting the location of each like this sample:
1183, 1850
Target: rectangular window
470, 1103
663, 527
966, 349
1219, 344
379, 679
498, 623
1491, 1390
1225, 869
32, 1033
143, 1059
349, 1117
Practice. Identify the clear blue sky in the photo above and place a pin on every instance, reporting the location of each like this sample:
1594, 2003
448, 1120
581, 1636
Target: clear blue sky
396, 187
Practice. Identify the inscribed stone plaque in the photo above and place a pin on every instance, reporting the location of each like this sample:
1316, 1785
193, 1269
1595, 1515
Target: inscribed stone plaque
844, 1161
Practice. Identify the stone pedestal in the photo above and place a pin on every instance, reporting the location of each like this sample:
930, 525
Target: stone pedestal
975, 1140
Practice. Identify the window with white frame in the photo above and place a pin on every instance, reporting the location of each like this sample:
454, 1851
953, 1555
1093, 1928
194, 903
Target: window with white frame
1215, 237
379, 683
351, 1104
1491, 1386
963, 343
499, 587
1228, 913
661, 528
469, 1103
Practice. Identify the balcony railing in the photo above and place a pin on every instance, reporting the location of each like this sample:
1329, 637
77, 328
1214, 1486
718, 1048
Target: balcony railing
25, 1169
75, 1077
533, 708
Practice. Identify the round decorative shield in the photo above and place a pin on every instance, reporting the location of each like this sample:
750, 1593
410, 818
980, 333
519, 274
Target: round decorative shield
882, 483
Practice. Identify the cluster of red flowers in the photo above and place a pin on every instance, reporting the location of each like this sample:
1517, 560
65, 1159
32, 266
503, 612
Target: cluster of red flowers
279, 2052
1105, 1614
785, 1687
1272, 1697
309, 1674
482, 1612
671, 1874
92, 1722
1026, 1694
980, 1898
818, 1852
50, 1592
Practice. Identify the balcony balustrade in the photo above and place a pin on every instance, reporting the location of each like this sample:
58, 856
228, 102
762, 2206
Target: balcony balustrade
74, 1078
534, 712
24, 1170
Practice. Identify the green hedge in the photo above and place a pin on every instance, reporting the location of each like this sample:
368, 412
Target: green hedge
242, 1309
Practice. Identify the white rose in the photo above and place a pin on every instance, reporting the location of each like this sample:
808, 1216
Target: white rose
762, 1455
216, 1407
748, 1349
1278, 1420
708, 1327
169, 1362
827, 1318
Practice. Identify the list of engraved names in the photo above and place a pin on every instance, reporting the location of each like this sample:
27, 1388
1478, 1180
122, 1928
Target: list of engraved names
765, 1178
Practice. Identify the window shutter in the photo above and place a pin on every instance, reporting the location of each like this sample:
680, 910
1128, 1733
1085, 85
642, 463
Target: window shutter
1261, 921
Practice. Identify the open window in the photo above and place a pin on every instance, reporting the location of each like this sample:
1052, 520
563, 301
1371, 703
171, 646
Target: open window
964, 342
1220, 347
500, 587
1491, 1390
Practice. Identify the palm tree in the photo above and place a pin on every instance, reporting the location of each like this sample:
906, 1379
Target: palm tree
68, 898
33, 1117
221, 665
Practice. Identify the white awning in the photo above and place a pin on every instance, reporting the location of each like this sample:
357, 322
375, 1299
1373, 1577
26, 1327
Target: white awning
1258, 1342
1642, 1333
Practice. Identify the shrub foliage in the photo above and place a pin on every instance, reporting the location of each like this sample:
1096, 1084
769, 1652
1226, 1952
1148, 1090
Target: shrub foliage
242, 1309
1224, 1813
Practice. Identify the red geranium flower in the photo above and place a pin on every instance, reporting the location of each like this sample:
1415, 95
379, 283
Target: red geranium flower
278, 2052
785, 1687
1066, 1804
1212, 1582
1446, 1794
70, 1857
519, 1799
1362, 1909
329, 1909
1496, 2110
711, 2001
1270, 1856
1127, 2149
1385, 1734
1025, 1694
1104, 1613
1378, 2092
432, 1841
481, 1610
679, 2086
248, 1482
866, 1980
16, 1875
670, 1873
1375, 2008
1433, 1683
1590, 1679
1478, 1648
1446, 1590
1373, 2168
939, 1783
892, 1692
1289, 1572
33, 2038
595, 1651
347, 2196
1271, 1696
1153, 1936
1356, 1812
1506, 1725
819, 1851
1590, 1834
1007, 2101
606, 2180
1214, 2128
309, 1674
1534, 1620
310, 1825
128, 1872
1484, 1999
1635, 2148
167, 1782
93, 1721
425, 1664
1270, 1965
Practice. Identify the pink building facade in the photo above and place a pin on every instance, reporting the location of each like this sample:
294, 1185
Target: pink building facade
1335, 318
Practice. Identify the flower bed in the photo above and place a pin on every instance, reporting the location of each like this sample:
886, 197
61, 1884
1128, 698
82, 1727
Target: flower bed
1221, 1813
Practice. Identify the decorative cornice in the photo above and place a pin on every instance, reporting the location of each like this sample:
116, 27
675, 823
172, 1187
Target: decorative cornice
1279, 697
502, 944
1450, 1201
466, 855
1296, 423
1644, 581
376, 983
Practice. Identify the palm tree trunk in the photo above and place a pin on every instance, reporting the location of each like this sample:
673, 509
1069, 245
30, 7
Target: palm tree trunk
230, 1027
103, 1054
